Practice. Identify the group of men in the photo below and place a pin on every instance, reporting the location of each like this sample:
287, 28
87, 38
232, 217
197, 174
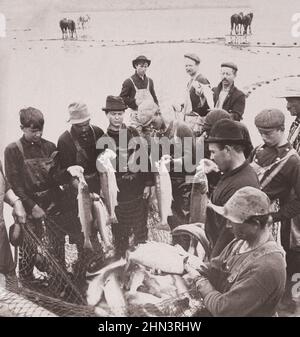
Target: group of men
254, 193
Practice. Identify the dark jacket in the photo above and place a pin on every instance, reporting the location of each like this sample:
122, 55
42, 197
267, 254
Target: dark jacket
234, 102
200, 110
128, 90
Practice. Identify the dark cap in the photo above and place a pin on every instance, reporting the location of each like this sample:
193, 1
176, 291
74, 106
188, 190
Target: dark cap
114, 103
269, 119
214, 116
230, 65
226, 131
141, 59
193, 57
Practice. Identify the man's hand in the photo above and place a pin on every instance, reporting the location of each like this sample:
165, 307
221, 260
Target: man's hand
166, 158
38, 213
209, 166
19, 211
75, 171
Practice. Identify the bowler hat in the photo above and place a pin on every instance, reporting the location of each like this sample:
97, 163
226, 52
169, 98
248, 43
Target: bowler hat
269, 119
193, 57
214, 116
230, 65
245, 202
78, 113
114, 103
141, 58
226, 131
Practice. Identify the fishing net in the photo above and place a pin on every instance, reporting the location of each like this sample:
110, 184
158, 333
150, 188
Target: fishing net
51, 275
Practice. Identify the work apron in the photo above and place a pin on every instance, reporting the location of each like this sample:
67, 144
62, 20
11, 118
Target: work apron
6, 260
194, 121
265, 180
141, 95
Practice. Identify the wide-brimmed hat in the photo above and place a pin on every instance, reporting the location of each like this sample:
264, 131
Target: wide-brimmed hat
114, 103
226, 131
141, 58
78, 113
290, 91
246, 202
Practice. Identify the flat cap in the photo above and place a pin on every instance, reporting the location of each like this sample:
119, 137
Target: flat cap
193, 57
269, 119
230, 65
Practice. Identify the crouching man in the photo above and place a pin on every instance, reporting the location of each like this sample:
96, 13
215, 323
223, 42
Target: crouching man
248, 277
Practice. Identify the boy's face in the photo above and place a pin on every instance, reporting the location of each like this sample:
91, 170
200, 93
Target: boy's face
32, 134
115, 118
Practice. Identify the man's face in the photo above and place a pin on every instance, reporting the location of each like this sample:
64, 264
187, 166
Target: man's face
221, 157
271, 137
32, 134
227, 76
115, 118
141, 68
242, 231
293, 105
190, 66
81, 128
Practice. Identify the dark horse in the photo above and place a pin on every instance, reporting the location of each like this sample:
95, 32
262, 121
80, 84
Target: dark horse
247, 19
67, 27
236, 21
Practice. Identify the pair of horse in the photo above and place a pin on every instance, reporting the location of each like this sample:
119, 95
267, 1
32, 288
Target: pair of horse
240, 23
68, 28
83, 20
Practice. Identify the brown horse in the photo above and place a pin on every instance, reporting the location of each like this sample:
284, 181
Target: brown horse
247, 20
236, 21
68, 28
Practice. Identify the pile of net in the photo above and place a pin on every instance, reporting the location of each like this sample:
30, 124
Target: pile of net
71, 283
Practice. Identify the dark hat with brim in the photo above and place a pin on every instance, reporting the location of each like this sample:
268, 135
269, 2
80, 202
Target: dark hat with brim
230, 65
141, 59
114, 103
226, 131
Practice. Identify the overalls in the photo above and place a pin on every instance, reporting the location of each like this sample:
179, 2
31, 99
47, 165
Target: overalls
194, 121
141, 95
37, 182
265, 176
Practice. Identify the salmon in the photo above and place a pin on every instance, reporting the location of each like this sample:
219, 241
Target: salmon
85, 212
114, 295
159, 256
108, 182
199, 198
136, 280
95, 290
163, 188
101, 220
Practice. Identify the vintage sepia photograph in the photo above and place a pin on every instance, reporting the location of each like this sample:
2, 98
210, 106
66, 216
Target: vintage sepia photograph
150, 159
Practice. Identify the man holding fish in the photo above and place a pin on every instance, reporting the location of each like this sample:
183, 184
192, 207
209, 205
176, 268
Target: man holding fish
133, 186
248, 277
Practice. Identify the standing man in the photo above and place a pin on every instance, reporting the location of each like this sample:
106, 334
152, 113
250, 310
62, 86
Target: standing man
138, 88
278, 168
28, 164
134, 187
7, 265
77, 154
198, 96
292, 96
226, 95
226, 144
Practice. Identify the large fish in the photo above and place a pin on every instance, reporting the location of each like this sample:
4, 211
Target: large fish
159, 256
101, 219
114, 295
15, 305
199, 198
163, 188
141, 298
160, 285
108, 182
85, 211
